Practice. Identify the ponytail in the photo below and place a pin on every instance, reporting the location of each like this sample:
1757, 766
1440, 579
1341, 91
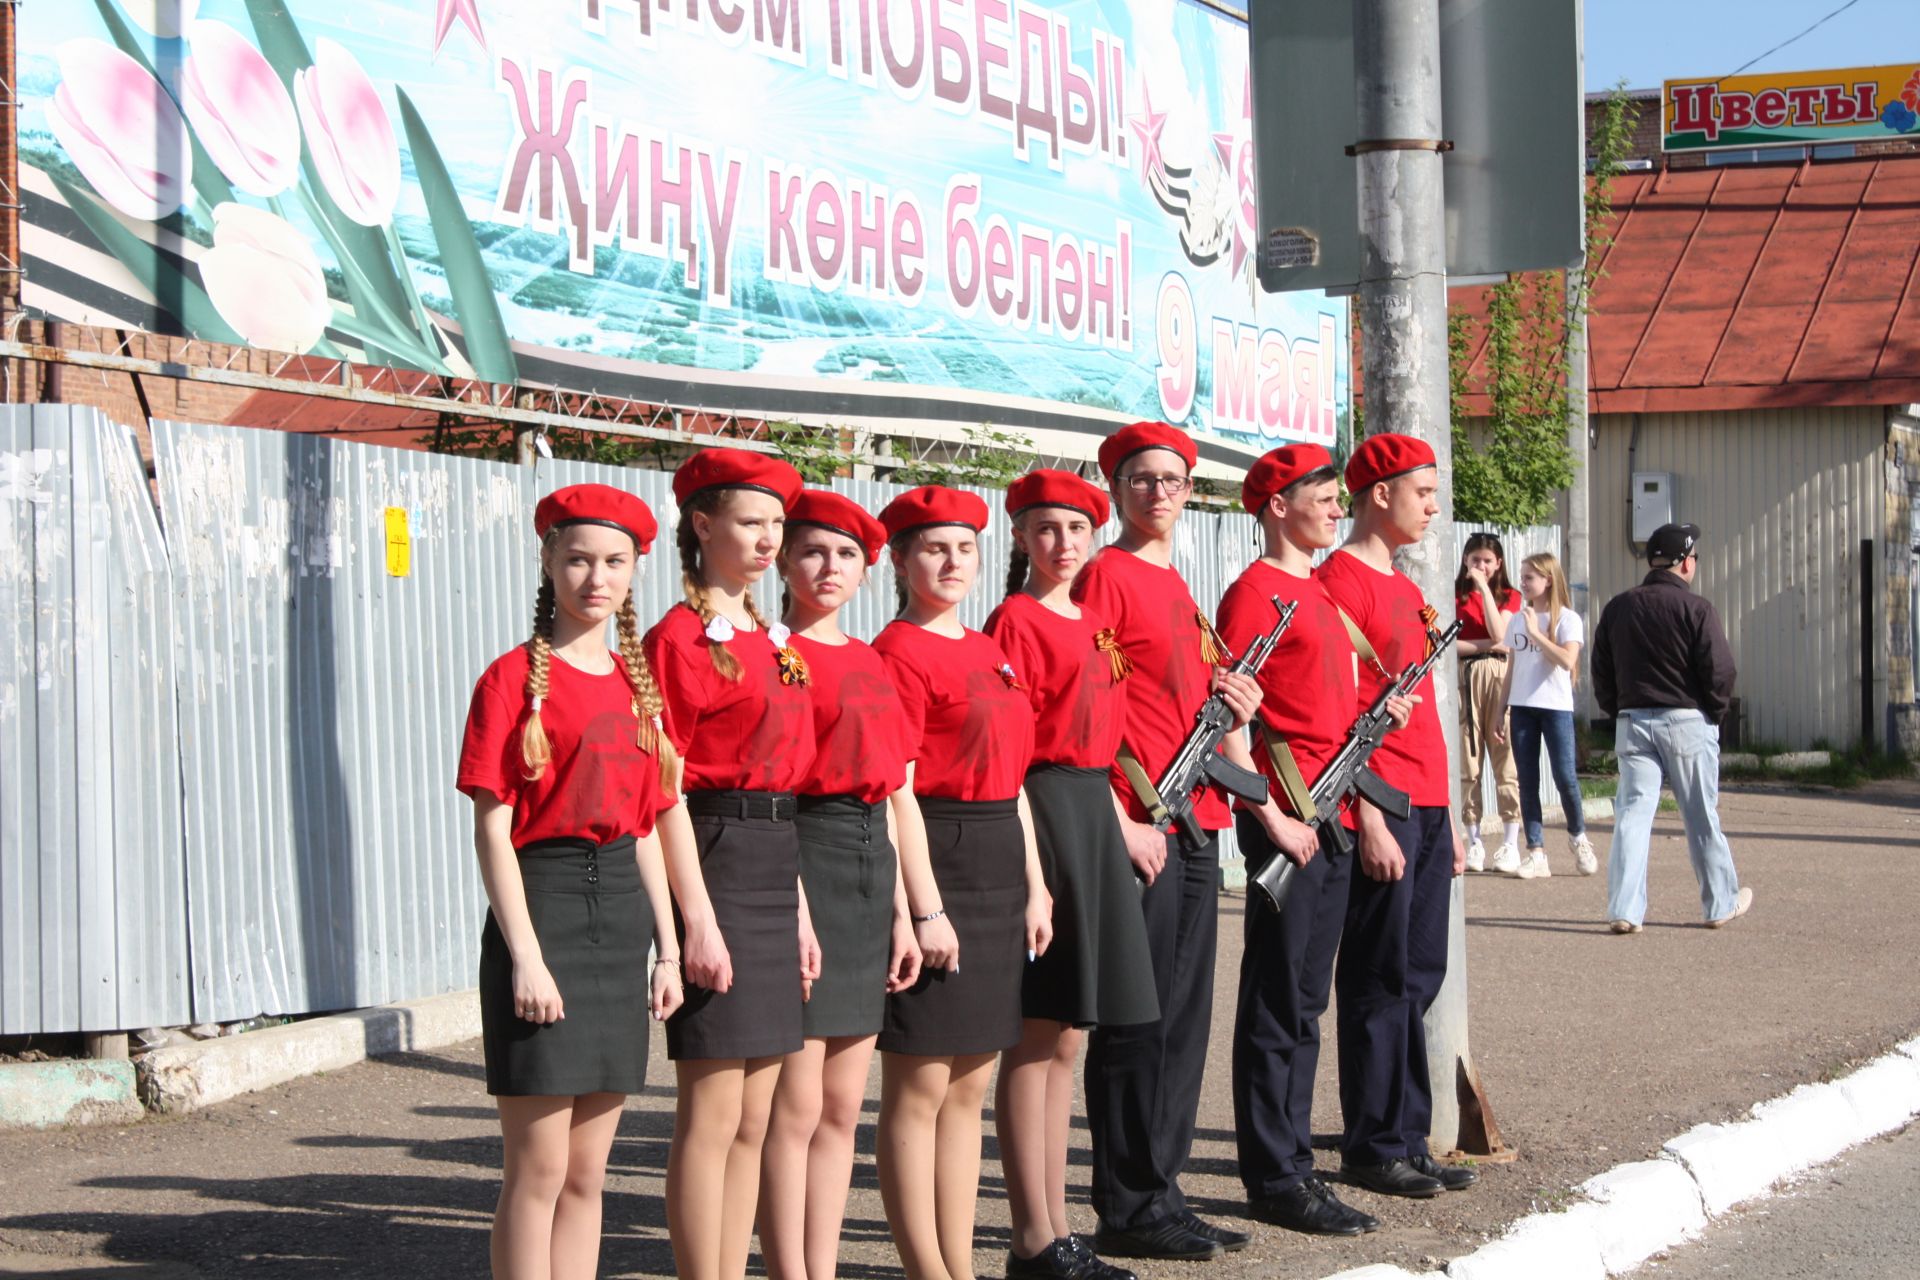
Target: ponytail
1018, 562
694, 586
536, 750
647, 702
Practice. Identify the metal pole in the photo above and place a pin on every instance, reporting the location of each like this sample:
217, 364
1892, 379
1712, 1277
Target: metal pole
1579, 452
1403, 314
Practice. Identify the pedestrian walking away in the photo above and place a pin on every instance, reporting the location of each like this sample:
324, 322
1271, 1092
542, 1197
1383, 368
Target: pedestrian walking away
1394, 955
743, 723
1663, 670
969, 738
1097, 971
1484, 601
1537, 693
567, 762
1143, 1080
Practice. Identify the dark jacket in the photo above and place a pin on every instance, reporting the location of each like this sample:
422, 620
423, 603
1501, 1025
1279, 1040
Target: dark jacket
1660, 645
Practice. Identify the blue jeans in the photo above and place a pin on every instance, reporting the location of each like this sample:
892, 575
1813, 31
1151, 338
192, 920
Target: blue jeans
1680, 744
1529, 726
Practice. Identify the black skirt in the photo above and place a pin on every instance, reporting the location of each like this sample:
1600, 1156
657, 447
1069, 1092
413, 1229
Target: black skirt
595, 926
1097, 970
751, 868
979, 857
847, 867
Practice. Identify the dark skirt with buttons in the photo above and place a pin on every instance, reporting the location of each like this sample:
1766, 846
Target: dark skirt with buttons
979, 856
847, 868
1097, 970
751, 866
595, 926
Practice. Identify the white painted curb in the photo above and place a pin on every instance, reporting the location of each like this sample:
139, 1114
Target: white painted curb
1643, 1208
189, 1077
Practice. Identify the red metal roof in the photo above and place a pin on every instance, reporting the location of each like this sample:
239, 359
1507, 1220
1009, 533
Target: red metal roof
1756, 286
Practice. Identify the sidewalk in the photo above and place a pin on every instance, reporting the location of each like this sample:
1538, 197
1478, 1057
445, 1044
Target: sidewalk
1595, 1050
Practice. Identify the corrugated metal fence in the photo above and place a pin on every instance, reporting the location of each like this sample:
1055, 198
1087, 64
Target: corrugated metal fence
229, 751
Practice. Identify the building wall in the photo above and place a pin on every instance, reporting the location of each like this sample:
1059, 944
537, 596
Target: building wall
1783, 499
1902, 547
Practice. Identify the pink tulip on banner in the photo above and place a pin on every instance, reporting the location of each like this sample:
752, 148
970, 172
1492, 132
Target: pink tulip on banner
349, 134
240, 110
264, 280
120, 129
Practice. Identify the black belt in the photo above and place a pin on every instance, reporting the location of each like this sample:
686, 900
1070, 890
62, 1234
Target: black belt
1472, 658
776, 806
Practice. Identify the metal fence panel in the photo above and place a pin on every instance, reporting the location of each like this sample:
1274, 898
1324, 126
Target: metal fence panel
92, 905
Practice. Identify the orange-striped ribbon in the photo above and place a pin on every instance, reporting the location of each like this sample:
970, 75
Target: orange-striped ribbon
793, 667
1211, 650
1108, 643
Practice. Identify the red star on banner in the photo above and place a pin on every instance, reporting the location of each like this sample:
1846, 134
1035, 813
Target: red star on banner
447, 12
1147, 127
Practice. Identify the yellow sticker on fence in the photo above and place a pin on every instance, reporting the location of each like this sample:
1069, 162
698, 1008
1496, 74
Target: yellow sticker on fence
399, 543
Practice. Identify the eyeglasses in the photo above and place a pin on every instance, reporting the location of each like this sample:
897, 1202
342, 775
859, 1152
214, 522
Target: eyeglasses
1143, 485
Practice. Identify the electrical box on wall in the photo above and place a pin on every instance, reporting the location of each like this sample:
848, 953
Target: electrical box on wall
1652, 503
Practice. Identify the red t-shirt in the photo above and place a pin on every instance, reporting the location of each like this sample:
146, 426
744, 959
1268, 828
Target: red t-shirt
599, 784
750, 734
1159, 628
969, 730
857, 722
1077, 704
1471, 609
1386, 608
1308, 683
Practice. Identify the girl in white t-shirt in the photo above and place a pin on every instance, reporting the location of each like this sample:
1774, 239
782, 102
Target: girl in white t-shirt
1546, 637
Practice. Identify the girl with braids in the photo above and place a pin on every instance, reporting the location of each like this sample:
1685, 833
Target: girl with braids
743, 721
1097, 971
855, 810
969, 734
567, 762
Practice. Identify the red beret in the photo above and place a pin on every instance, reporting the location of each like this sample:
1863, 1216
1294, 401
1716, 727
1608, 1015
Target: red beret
1385, 457
1049, 488
1278, 469
933, 504
596, 504
841, 515
735, 469
1127, 441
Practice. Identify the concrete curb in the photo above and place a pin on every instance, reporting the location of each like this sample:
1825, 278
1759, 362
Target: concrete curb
188, 1077
1634, 1211
47, 1095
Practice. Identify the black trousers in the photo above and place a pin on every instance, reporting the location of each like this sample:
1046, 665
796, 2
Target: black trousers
1390, 969
1286, 972
1143, 1080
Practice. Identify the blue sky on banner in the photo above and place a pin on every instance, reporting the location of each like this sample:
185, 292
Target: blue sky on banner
1163, 173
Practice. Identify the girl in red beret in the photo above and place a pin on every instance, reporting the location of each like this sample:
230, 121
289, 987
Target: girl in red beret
567, 764
743, 722
969, 738
1097, 970
855, 811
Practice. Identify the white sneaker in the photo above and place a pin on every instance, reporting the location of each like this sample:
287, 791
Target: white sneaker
1584, 860
1534, 866
1476, 855
1506, 860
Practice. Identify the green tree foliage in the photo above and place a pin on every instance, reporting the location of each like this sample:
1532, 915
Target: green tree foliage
1512, 473
990, 458
817, 453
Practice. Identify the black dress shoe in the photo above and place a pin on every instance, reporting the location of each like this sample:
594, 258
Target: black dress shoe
1092, 1265
1452, 1176
1169, 1238
1396, 1177
1309, 1207
1055, 1262
1226, 1237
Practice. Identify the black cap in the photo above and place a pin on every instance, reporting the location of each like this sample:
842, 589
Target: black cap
1672, 543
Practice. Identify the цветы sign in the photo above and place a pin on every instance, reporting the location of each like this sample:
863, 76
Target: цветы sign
1791, 108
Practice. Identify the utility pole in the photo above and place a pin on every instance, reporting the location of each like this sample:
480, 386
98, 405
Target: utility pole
1578, 558
1403, 312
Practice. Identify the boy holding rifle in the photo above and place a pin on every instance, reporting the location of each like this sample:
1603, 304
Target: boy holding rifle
1395, 953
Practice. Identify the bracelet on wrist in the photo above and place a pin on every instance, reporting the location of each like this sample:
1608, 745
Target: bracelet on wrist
931, 915
672, 960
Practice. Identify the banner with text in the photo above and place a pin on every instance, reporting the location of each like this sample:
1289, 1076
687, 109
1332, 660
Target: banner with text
955, 209
1791, 108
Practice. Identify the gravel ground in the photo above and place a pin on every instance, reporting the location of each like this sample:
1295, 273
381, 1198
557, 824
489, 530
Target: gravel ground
1594, 1050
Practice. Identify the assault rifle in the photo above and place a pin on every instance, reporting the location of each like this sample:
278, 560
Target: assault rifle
1347, 773
1170, 801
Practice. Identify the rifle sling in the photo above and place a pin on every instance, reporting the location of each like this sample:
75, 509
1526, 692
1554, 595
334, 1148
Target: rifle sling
1287, 772
1361, 645
1143, 788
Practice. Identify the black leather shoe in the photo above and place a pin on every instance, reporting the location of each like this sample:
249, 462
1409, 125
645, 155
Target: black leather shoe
1092, 1266
1055, 1262
1451, 1176
1169, 1239
1396, 1177
1226, 1237
1311, 1208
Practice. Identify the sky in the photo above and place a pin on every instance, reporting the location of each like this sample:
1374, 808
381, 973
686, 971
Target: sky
1647, 41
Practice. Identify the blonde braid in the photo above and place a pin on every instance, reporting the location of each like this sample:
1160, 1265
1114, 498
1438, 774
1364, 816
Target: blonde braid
536, 750
695, 588
647, 702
